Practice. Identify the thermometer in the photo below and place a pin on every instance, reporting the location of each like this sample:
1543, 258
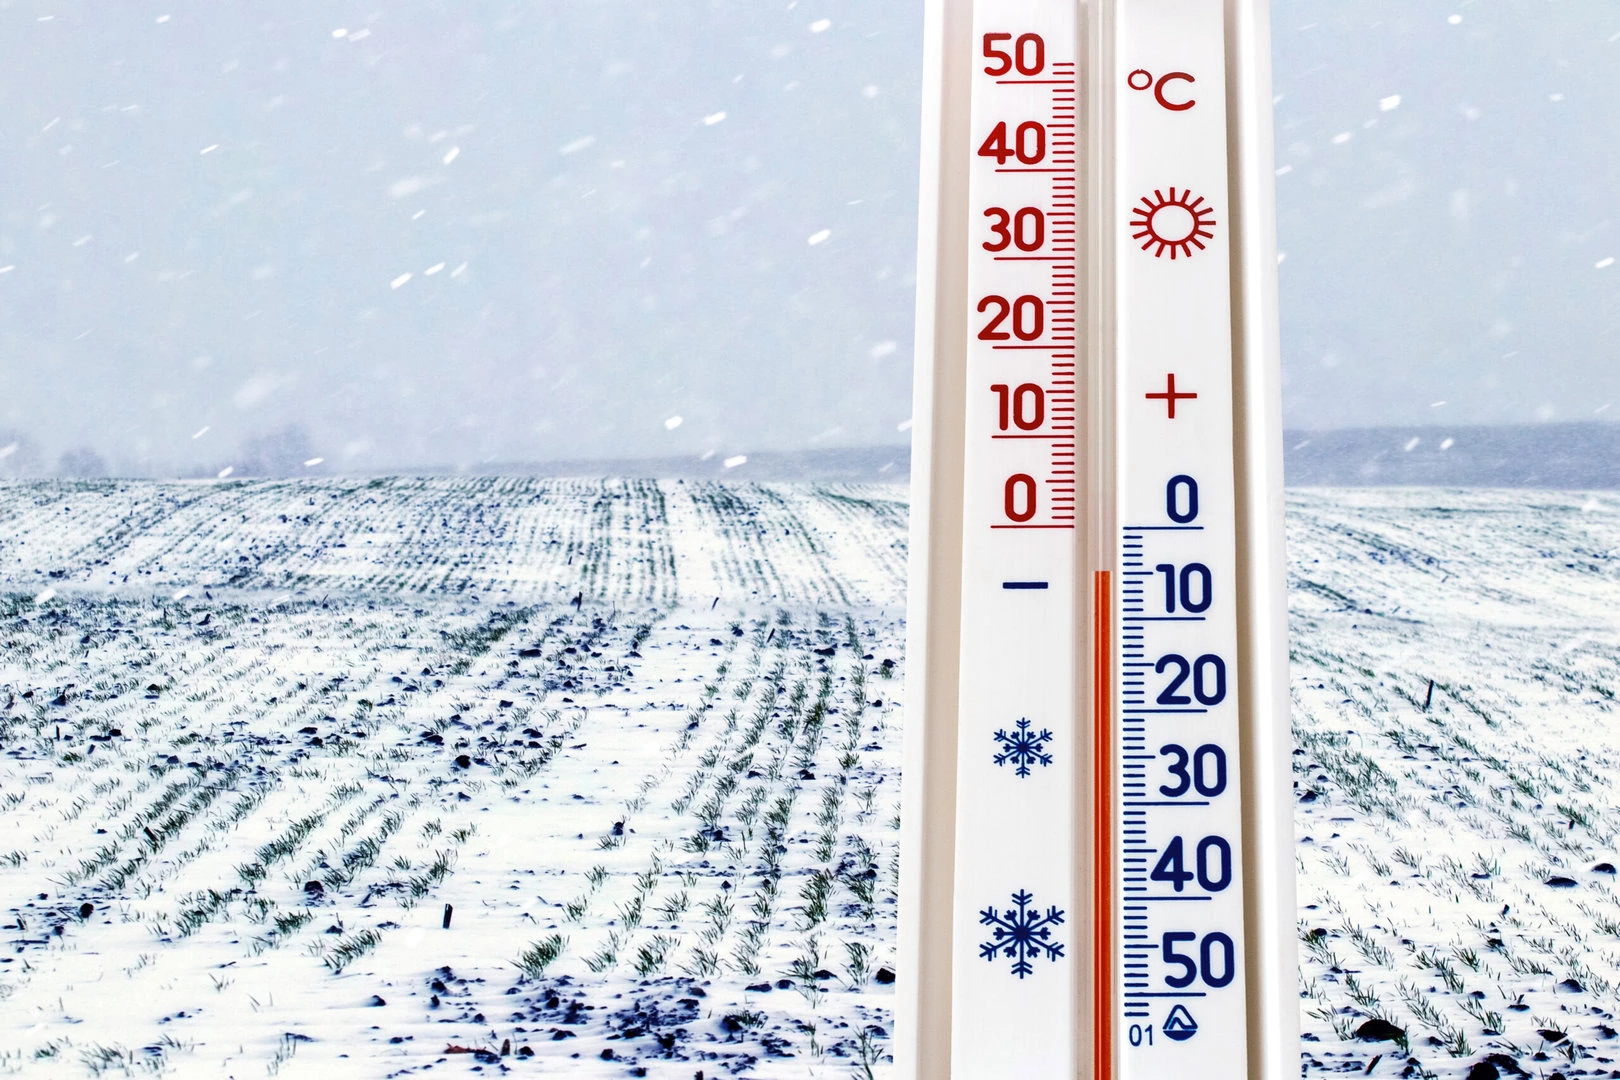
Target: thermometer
1097, 868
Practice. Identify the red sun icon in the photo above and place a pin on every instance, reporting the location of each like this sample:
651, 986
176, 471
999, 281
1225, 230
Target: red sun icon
1177, 224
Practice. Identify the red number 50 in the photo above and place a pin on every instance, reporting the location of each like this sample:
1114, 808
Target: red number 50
1028, 55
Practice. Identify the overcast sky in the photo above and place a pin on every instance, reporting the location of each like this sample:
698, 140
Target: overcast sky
1458, 245
473, 232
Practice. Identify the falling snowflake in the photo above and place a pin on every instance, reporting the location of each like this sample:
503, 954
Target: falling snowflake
1023, 748
1022, 934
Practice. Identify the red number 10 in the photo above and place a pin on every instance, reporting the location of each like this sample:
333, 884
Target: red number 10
1025, 406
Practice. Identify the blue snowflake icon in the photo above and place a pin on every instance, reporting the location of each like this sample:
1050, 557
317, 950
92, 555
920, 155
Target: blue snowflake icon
1023, 747
1022, 934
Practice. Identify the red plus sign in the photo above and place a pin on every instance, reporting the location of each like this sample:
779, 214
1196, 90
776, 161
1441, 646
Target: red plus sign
1170, 396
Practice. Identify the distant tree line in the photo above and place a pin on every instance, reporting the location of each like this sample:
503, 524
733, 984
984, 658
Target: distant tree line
283, 452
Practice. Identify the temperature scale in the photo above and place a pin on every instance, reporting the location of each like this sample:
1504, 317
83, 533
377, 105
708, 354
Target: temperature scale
1098, 865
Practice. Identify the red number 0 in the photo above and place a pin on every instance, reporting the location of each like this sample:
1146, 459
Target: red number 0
1011, 497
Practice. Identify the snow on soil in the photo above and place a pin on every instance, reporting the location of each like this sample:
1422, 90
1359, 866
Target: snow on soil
1457, 849
636, 741
641, 739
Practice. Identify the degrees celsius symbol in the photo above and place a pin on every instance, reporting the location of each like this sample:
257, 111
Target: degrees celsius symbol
1141, 79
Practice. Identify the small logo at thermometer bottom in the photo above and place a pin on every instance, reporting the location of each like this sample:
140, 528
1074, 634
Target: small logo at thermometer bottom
1179, 1025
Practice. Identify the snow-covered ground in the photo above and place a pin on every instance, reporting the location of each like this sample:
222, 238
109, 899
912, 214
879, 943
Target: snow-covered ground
637, 742
1457, 849
642, 739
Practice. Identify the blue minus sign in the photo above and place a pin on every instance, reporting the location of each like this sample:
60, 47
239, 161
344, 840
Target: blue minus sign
1023, 584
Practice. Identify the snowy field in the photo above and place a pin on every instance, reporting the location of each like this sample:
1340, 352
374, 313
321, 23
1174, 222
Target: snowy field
1457, 848
641, 741
639, 737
